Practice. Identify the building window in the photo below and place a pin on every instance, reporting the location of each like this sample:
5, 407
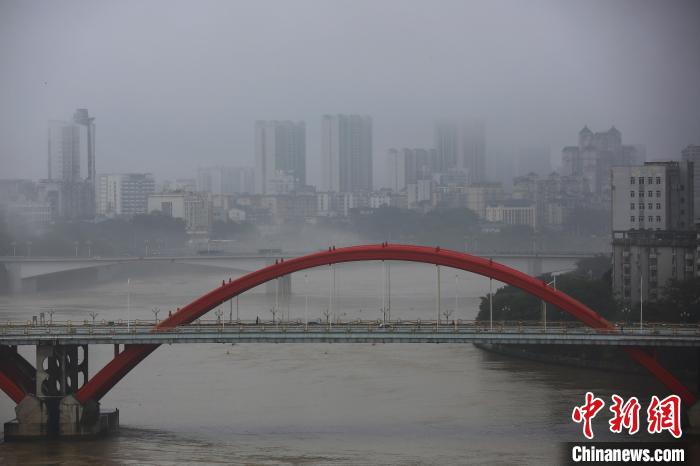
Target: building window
650, 193
641, 180
631, 193
658, 218
650, 219
632, 206
167, 208
632, 218
658, 180
658, 193
651, 205
650, 180
641, 193
641, 206
658, 206
632, 179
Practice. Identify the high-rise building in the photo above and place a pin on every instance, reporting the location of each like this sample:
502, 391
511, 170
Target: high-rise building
645, 261
653, 236
654, 196
407, 166
74, 196
692, 154
595, 154
124, 194
280, 156
82, 117
64, 151
346, 153
461, 145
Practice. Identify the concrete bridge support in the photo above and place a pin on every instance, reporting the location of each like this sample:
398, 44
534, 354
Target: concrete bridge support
53, 411
281, 287
534, 266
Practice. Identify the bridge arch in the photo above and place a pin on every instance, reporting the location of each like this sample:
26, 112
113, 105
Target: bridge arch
118, 367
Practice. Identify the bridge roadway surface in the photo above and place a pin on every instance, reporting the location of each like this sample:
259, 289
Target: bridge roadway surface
64, 333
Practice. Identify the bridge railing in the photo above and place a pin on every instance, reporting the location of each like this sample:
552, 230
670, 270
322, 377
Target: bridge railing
140, 326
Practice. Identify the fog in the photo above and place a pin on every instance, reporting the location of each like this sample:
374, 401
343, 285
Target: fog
175, 84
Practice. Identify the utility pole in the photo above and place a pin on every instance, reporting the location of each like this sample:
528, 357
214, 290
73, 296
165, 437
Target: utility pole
128, 304
155, 312
641, 300
384, 292
306, 304
491, 304
438, 304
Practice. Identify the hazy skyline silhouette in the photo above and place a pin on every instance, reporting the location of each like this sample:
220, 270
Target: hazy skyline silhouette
175, 85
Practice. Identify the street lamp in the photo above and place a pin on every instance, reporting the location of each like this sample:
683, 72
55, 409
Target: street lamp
51, 313
491, 304
14, 248
447, 313
128, 304
155, 312
437, 303
89, 246
456, 293
306, 304
544, 303
93, 314
75, 243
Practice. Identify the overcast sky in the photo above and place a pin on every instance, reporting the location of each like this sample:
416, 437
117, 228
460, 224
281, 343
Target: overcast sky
177, 84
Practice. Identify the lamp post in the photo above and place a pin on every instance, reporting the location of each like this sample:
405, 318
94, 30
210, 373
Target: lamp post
14, 248
76, 244
51, 313
456, 294
306, 303
128, 304
544, 303
491, 304
438, 304
219, 320
93, 314
383, 291
155, 312
277, 295
641, 301
89, 246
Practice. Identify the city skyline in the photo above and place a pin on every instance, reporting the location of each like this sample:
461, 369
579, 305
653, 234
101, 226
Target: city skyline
182, 116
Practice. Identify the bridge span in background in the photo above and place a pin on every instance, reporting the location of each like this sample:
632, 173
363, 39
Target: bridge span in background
27, 274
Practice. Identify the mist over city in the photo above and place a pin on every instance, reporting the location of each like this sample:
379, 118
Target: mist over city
517, 181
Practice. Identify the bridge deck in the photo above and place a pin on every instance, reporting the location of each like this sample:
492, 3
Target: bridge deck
347, 332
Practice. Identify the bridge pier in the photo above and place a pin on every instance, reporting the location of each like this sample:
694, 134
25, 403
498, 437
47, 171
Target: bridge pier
53, 411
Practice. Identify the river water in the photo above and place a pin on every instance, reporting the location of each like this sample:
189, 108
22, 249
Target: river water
276, 404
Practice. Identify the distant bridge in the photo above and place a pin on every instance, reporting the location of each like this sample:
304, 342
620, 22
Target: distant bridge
27, 273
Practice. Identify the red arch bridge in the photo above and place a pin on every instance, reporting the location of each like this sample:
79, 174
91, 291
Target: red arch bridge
50, 400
